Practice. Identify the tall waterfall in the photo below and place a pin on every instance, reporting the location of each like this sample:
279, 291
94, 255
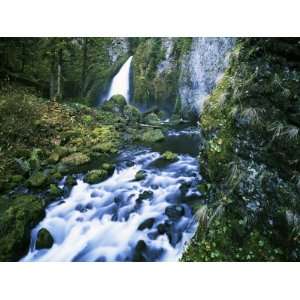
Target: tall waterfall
120, 83
201, 69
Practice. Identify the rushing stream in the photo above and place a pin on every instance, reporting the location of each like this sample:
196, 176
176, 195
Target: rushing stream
121, 219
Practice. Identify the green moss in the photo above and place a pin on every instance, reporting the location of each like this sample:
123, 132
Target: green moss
152, 136
95, 176
169, 156
16, 222
44, 239
75, 159
37, 179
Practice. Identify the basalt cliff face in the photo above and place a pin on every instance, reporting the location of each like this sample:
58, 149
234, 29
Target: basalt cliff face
250, 158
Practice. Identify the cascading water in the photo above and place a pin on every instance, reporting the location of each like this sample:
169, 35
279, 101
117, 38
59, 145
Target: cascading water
121, 82
122, 219
201, 69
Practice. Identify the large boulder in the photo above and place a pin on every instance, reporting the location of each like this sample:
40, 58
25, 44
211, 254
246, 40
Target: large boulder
152, 119
37, 179
132, 114
152, 136
75, 159
115, 104
170, 156
174, 212
44, 239
16, 222
95, 176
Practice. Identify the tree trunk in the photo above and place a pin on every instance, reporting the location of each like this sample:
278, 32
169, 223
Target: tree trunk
84, 66
52, 76
59, 75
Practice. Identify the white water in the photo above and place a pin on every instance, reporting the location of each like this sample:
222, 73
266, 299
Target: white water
201, 69
121, 82
100, 222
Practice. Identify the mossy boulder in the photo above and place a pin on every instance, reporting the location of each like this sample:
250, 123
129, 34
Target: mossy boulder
44, 239
115, 104
75, 159
95, 176
107, 147
132, 114
54, 158
37, 179
16, 179
170, 156
54, 191
152, 136
152, 119
16, 222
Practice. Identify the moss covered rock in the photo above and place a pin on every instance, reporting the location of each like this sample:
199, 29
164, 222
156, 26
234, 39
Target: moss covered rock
152, 136
75, 159
37, 179
169, 156
115, 104
44, 239
152, 119
16, 222
95, 176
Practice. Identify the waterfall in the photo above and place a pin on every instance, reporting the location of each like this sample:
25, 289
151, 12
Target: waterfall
200, 71
120, 83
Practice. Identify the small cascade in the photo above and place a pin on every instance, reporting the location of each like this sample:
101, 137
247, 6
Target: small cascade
120, 83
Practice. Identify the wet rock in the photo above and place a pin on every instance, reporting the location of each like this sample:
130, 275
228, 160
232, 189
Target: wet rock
44, 239
54, 191
109, 168
70, 181
95, 176
147, 224
170, 156
146, 195
139, 252
37, 179
152, 136
75, 159
129, 163
174, 212
140, 175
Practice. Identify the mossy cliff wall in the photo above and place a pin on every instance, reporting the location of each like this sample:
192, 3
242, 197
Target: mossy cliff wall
250, 159
177, 74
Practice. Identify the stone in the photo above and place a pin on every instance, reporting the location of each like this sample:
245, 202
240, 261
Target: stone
44, 239
115, 104
174, 212
37, 179
95, 176
152, 136
16, 179
54, 158
139, 251
152, 119
16, 222
146, 224
170, 156
144, 196
55, 191
75, 159
140, 175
